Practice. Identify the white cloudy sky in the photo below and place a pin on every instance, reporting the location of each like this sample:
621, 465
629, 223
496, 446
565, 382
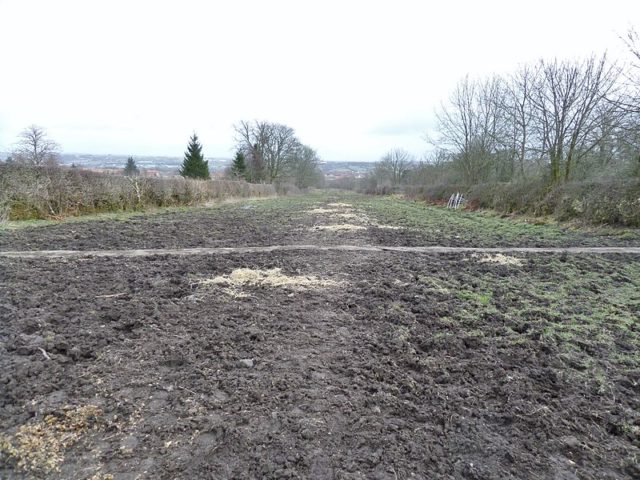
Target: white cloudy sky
354, 78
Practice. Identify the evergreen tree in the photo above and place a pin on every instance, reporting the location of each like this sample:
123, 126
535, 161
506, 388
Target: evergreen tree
194, 164
239, 165
131, 169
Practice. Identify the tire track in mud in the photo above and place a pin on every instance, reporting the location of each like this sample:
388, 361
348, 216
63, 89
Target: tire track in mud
288, 248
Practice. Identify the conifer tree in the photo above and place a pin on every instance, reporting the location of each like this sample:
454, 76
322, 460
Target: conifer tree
239, 165
194, 165
131, 169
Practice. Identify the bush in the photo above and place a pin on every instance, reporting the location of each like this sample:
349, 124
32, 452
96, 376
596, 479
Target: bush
51, 192
371, 185
286, 189
437, 194
614, 202
511, 197
609, 202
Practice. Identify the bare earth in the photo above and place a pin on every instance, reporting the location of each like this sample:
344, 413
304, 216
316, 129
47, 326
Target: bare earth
329, 356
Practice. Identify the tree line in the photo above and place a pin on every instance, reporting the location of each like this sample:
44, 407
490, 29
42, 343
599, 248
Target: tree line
265, 153
554, 121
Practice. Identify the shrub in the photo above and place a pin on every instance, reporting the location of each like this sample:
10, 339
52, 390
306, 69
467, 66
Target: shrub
286, 189
437, 194
511, 197
609, 201
50, 192
604, 202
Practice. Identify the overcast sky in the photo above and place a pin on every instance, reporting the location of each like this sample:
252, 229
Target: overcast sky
353, 78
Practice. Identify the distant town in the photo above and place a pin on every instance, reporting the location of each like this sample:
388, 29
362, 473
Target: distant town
159, 166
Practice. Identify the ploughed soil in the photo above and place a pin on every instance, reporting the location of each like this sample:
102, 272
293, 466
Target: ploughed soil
347, 366
287, 221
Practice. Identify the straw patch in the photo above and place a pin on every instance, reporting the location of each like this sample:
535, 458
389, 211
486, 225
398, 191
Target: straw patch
389, 227
353, 216
344, 227
325, 211
339, 205
271, 278
501, 259
40, 447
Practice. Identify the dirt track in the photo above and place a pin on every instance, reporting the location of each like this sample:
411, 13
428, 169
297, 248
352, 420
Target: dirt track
361, 363
322, 248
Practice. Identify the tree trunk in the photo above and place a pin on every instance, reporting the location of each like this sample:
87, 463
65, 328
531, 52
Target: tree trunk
567, 166
555, 157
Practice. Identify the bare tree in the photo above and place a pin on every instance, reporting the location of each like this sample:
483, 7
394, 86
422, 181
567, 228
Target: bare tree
569, 119
35, 148
626, 140
632, 41
434, 167
250, 138
472, 126
518, 112
304, 168
628, 135
394, 166
269, 147
570, 101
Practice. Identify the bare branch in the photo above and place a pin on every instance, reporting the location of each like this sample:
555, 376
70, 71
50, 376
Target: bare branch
34, 148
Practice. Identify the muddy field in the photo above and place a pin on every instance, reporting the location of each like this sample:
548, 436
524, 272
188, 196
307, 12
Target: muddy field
355, 220
345, 365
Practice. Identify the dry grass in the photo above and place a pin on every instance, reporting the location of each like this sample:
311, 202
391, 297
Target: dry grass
234, 200
361, 217
39, 448
500, 259
389, 227
325, 211
355, 217
270, 278
342, 212
58, 192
